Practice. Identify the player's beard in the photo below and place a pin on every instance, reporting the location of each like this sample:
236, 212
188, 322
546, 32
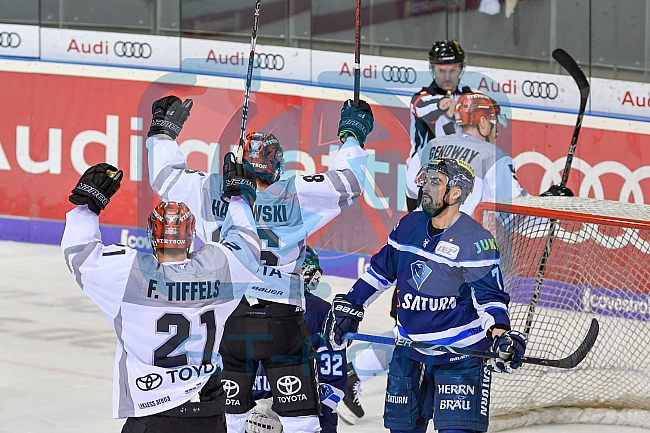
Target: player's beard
430, 207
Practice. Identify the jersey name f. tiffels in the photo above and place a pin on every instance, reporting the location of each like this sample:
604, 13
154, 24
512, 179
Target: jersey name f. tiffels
286, 212
494, 168
169, 318
427, 122
449, 286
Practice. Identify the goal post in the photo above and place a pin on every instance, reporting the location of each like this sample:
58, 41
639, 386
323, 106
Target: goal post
598, 265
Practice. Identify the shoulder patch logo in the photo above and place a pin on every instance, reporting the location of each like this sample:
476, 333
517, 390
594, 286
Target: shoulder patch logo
420, 272
447, 249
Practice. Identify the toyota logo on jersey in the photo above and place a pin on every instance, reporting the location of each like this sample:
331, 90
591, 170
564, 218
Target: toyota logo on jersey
230, 387
9, 40
399, 74
139, 50
289, 385
149, 382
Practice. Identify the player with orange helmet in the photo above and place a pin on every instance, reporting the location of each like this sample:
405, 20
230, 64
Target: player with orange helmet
171, 227
169, 310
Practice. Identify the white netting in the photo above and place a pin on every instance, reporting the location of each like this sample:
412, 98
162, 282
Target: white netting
597, 269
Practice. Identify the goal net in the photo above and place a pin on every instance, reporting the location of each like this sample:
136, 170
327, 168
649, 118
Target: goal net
597, 266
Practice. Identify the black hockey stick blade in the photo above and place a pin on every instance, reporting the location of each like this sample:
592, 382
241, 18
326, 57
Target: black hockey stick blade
570, 361
581, 352
570, 65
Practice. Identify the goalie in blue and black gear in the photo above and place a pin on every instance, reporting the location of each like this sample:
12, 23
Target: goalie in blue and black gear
445, 267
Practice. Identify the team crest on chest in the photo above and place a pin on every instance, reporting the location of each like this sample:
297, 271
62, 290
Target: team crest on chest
420, 272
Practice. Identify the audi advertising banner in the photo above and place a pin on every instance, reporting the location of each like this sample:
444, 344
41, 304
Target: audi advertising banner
43, 151
19, 41
110, 48
399, 77
231, 58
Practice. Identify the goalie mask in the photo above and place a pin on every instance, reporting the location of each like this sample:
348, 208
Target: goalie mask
458, 172
171, 226
265, 154
311, 270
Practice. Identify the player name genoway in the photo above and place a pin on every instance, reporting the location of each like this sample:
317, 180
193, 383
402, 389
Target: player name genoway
184, 290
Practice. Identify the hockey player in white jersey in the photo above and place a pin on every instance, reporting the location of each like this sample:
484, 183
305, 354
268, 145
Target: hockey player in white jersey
268, 325
446, 270
167, 309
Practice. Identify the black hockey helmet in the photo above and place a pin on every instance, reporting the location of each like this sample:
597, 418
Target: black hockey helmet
458, 172
311, 270
265, 154
446, 52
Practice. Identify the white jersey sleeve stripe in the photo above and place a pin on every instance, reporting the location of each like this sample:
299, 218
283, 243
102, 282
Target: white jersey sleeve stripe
439, 259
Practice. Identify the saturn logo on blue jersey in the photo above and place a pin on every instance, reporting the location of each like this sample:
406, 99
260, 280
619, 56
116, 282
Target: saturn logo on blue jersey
420, 272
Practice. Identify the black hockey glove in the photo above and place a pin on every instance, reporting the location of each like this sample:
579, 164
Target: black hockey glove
344, 316
238, 179
510, 346
355, 121
558, 191
96, 187
169, 115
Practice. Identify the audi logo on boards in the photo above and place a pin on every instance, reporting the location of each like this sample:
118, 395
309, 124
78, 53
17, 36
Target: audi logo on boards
539, 89
136, 50
399, 74
274, 62
9, 40
149, 382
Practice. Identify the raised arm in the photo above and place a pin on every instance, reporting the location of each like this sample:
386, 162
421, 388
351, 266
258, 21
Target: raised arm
101, 271
323, 196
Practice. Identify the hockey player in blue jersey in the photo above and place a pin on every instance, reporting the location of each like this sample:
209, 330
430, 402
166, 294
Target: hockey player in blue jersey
446, 270
332, 377
269, 324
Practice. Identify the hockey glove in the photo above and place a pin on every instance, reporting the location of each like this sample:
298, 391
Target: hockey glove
344, 316
510, 346
238, 179
169, 115
558, 191
96, 187
355, 121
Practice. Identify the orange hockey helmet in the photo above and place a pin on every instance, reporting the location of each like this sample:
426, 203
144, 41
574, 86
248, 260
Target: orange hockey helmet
170, 226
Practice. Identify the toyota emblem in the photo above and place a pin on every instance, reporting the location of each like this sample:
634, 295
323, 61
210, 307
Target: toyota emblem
149, 382
289, 385
230, 387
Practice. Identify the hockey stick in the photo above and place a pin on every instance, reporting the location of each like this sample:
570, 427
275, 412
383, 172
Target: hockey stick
570, 361
357, 55
249, 79
570, 65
